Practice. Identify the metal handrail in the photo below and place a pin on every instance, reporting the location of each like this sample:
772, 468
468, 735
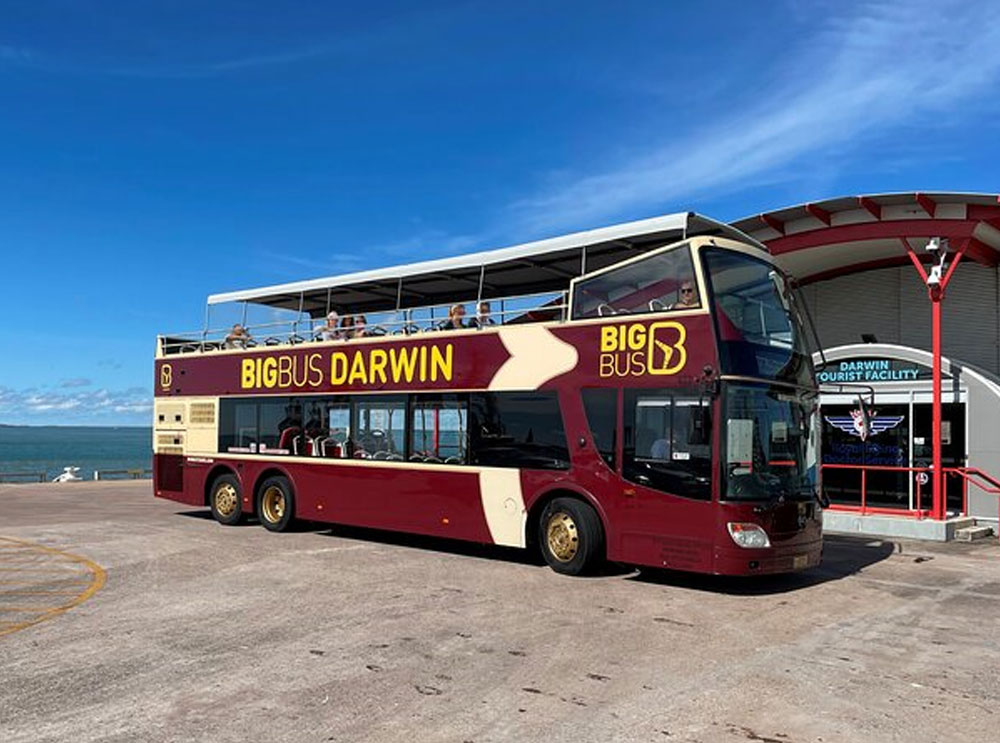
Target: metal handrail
864, 508
137, 473
287, 332
27, 477
972, 475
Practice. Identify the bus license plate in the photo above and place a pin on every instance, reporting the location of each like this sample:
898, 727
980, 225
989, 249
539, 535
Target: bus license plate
799, 562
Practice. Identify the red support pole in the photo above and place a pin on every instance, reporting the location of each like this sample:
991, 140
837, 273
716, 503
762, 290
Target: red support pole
437, 432
937, 491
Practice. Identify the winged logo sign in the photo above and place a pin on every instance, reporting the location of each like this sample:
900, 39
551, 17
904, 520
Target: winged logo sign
854, 423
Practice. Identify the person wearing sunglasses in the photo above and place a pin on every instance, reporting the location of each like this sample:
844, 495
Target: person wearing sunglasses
688, 297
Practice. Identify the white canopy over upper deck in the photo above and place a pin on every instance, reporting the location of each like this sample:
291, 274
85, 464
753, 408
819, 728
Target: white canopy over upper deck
532, 268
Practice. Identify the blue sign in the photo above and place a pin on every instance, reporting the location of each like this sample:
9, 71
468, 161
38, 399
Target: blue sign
872, 370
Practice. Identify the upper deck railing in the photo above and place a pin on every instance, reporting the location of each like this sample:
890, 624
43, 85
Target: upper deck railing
514, 310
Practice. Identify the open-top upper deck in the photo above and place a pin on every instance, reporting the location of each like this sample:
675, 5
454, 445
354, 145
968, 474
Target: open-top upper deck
531, 268
525, 283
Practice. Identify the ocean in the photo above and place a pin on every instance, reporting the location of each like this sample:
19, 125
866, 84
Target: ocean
50, 448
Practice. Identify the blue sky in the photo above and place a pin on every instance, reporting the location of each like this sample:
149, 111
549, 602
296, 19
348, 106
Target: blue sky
154, 153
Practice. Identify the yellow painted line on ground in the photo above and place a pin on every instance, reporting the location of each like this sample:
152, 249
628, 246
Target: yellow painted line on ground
38, 593
60, 581
67, 570
97, 578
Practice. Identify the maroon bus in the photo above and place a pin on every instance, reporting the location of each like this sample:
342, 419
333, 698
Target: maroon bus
640, 393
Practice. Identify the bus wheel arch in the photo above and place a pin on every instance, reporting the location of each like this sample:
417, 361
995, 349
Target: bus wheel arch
224, 496
573, 539
274, 500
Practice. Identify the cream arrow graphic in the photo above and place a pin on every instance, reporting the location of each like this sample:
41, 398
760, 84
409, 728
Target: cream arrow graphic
536, 356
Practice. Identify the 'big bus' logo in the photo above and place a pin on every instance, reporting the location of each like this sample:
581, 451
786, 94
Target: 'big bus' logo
166, 376
637, 349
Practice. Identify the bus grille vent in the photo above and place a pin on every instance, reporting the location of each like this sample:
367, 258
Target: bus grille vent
169, 443
202, 412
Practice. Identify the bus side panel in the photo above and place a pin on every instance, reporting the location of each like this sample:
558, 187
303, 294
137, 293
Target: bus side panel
422, 501
174, 480
394, 497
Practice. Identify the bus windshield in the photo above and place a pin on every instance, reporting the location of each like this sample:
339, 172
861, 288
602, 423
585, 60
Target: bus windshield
757, 319
770, 443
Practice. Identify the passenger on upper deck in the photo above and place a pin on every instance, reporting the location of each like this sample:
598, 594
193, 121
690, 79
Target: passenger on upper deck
482, 318
689, 297
329, 331
360, 327
239, 337
456, 318
347, 327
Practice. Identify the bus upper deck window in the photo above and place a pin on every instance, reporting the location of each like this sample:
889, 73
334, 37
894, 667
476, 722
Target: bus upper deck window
654, 283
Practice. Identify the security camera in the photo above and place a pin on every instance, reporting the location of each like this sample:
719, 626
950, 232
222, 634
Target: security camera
933, 245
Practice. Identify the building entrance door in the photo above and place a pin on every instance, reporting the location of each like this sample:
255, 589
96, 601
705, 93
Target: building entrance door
900, 438
953, 449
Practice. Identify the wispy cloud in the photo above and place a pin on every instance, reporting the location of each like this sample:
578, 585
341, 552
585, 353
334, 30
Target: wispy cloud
427, 244
289, 264
37, 405
76, 382
873, 67
233, 57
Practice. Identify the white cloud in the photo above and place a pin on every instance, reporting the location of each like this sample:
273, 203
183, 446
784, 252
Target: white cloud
874, 66
59, 405
76, 382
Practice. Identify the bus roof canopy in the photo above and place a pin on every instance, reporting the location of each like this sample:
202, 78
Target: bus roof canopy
532, 268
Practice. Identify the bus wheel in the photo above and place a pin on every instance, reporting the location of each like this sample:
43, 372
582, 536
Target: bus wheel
226, 500
570, 536
276, 504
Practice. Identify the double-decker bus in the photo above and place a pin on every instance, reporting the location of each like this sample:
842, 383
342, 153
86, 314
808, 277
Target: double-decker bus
640, 393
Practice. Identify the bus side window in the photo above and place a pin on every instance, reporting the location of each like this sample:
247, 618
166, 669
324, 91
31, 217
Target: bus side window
280, 425
380, 428
667, 442
439, 429
238, 426
601, 406
517, 429
338, 424
655, 283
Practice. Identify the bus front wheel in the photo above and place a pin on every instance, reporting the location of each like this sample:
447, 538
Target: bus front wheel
276, 504
570, 536
226, 500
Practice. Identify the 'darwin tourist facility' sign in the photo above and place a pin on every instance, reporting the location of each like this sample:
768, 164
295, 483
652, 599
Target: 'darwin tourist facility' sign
872, 370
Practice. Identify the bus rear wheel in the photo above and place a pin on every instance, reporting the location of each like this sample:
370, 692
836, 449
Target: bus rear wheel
570, 536
226, 500
276, 504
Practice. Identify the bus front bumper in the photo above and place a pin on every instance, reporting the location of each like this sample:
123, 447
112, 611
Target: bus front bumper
733, 560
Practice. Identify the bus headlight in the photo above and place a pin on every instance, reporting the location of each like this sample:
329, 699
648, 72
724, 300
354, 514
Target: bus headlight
749, 536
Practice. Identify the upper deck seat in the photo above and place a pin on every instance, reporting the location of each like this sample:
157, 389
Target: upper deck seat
288, 438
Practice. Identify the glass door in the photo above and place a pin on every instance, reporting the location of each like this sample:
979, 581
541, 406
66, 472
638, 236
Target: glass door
953, 449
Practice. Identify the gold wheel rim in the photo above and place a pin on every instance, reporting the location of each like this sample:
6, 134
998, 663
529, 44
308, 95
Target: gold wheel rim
226, 499
561, 536
272, 504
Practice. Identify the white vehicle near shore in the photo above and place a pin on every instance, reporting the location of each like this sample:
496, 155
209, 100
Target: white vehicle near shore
69, 474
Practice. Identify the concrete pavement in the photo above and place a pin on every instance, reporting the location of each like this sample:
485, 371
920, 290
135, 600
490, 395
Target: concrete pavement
203, 632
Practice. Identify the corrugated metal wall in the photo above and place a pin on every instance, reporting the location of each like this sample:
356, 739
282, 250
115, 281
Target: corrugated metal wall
892, 304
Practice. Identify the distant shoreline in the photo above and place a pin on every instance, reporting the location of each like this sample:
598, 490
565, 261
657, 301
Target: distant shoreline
69, 425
